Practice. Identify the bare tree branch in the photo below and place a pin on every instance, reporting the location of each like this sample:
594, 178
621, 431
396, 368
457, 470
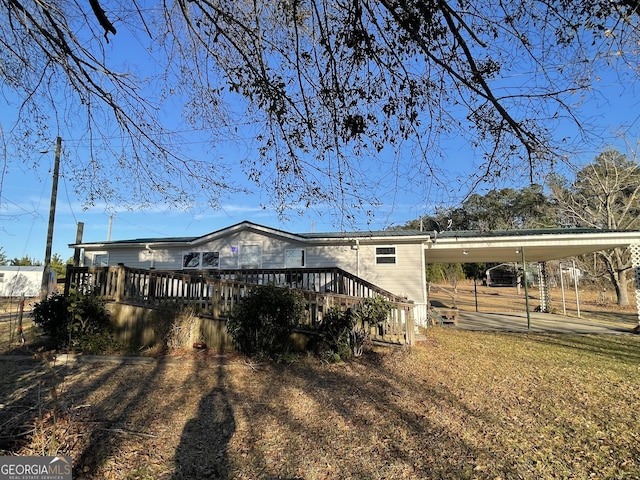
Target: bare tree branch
324, 92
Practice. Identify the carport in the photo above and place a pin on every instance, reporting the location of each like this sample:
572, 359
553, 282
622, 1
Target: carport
528, 246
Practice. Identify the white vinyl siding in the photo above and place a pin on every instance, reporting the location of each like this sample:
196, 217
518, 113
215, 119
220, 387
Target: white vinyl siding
404, 277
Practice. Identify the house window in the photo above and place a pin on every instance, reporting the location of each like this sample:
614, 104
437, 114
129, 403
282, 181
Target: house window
201, 260
191, 260
1, 277
250, 256
293, 258
210, 260
101, 260
385, 255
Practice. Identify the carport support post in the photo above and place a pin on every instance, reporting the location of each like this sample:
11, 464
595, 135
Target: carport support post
526, 288
475, 290
635, 262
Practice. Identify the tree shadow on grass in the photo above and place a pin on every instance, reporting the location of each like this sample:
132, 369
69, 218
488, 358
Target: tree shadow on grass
42, 404
202, 452
356, 420
110, 421
630, 318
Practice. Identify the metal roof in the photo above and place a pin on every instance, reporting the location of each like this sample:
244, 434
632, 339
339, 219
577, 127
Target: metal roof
374, 234
364, 234
532, 245
440, 247
312, 236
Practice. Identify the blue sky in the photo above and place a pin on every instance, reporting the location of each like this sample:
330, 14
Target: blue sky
26, 198
25, 191
24, 207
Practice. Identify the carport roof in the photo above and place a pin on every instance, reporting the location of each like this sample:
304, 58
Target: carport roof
508, 246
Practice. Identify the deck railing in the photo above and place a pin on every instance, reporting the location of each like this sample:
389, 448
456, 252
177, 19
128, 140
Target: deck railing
217, 292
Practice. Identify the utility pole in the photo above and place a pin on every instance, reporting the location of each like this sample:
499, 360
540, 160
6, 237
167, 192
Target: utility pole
110, 227
44, 287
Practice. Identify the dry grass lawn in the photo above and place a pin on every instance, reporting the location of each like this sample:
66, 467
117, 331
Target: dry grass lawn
459, 405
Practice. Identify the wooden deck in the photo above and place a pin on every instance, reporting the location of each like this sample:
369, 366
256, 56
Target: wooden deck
215, 293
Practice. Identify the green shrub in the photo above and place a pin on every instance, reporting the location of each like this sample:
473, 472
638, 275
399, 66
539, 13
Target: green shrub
374, 310
52, 315
263, 321
335, 333
77, 322
344, 333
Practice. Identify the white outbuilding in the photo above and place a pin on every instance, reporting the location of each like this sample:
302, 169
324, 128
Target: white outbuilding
16, 281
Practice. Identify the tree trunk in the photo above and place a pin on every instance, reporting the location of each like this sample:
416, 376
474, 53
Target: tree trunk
617, 270
621, 284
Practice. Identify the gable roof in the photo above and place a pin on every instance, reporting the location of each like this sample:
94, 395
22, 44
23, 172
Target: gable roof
246, 225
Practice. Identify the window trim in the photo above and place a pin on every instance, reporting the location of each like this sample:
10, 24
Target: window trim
215, 255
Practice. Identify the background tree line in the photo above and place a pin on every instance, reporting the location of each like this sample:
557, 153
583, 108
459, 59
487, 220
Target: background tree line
603, 195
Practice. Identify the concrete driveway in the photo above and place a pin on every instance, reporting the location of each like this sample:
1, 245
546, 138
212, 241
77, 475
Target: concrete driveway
540, 323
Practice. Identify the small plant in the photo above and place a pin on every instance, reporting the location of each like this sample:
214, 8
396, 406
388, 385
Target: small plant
184, 331
262, 323
374, 310
52, 315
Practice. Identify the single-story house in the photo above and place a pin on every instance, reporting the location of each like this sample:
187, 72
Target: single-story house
393, 260
16, 281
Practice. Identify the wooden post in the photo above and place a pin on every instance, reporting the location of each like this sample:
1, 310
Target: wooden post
76, 251
71, 272
20, 313
152, 285
215, 299
120, 282
410, 326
